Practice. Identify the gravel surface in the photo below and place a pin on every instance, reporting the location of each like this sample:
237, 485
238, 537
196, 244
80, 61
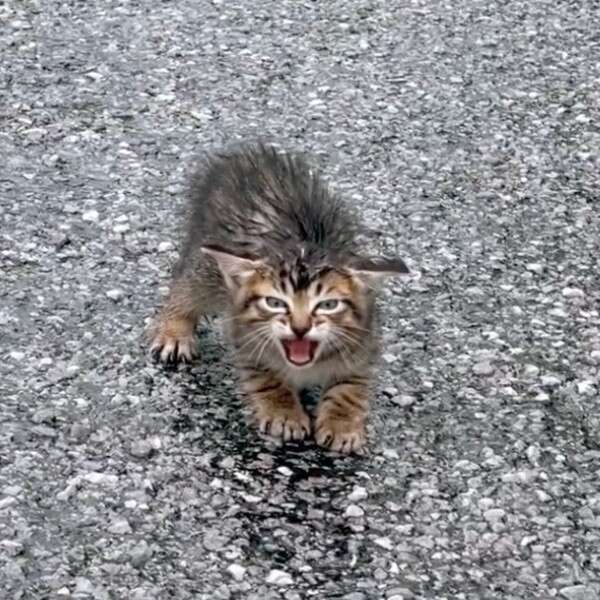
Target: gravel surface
468, 133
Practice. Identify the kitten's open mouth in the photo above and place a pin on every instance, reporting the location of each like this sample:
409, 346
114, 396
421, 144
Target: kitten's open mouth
299, 352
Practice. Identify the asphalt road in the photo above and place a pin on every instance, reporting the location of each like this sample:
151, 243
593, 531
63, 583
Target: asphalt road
468, 134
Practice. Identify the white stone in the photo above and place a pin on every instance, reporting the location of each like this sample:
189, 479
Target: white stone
384, 542
165, 246
550, 380
531, 371
90, 215
586, 387
277, 577
237, 571
121, 228
251, 499
354, 512
484, 368
96, 477
83, 586
404, 400
6, 502
533, 454
115, 294
120, 527
390, 453
357, 494
17, 355
493, 515
535, 267
573, 292
579, 592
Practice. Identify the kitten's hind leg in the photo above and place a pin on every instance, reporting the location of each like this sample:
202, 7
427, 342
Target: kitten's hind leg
277, 410
172, 335
341, 415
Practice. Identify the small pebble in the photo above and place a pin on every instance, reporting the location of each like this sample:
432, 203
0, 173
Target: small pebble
141, 448
165, 246
484, 368
550, 380
83, 586
120, 527
573, 292
579, 592
535, 268
586, 387
390, 453
493, 515
251, 498
101, 478
357, 494
384, 542
115, 294
353, 511
140, 554
531, 371
277, 577
90, 215
237, 571
404, 400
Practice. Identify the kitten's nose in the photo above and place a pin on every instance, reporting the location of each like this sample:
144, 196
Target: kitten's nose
300, 330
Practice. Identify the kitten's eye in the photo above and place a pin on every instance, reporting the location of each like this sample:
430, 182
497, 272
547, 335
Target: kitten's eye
329, 306
275, 304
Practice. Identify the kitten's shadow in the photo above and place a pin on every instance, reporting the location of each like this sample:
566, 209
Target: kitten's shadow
211, 410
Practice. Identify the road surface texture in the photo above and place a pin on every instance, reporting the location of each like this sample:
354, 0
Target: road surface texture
467, 132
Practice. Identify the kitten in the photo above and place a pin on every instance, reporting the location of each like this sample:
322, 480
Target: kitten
271, 247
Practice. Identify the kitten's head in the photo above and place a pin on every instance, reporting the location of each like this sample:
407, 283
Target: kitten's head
301, 308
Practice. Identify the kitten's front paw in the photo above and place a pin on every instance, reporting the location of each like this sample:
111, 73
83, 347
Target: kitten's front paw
344, 435
173, 342
282, 421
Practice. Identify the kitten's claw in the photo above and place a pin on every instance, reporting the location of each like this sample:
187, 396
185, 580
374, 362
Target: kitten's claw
340, 435
285, 422
171, 350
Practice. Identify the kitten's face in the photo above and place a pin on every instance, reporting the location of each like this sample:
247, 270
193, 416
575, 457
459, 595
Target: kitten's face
329, 315
298, 315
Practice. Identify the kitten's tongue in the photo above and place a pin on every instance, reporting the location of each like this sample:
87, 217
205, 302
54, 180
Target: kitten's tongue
299, 351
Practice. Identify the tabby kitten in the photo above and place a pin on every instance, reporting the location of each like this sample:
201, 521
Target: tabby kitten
269, 245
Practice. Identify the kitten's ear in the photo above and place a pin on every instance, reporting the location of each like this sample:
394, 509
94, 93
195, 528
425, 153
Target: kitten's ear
234, 268
373, 268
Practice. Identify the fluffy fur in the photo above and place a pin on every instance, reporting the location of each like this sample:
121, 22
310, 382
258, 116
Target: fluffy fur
271, 247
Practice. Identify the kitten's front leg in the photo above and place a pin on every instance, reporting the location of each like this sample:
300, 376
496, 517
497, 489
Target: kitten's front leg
277, 409
172, 335
341, 415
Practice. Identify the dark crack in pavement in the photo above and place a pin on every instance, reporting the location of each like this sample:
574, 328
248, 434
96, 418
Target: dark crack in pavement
467, 133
